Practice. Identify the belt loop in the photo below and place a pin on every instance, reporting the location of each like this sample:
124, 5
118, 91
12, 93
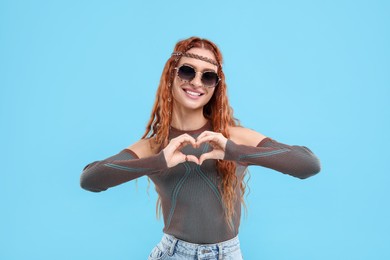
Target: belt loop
219, 252
172, 248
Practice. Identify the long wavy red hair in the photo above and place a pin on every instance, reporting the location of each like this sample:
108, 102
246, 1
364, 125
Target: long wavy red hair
217, 110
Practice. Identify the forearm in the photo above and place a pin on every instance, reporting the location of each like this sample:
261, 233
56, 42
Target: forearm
122, 167
297, 161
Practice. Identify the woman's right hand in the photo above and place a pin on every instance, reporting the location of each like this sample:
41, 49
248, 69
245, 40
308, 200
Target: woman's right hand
172, 152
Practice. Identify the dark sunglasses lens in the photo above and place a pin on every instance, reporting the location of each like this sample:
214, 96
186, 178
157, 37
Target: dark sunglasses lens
186, 73
210, 79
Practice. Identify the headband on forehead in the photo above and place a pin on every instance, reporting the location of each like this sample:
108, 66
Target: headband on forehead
195, 56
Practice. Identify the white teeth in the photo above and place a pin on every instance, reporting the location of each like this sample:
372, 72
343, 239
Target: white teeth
193, 93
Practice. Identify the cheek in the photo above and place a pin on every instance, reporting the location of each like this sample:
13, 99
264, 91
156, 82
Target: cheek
177, 84
210, 94
175, 87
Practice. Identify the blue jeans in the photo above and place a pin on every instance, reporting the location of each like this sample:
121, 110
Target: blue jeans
171, 248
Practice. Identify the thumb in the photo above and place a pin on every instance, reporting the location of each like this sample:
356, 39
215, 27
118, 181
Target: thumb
192, 158
206, 156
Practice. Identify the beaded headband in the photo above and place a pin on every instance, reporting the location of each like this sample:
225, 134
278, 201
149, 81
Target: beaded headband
195, 56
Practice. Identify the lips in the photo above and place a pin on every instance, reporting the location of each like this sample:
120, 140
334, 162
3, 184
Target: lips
193, 93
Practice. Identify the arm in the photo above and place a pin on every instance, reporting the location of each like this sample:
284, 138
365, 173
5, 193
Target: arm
122, 167
297, 161
251, 148
127, 165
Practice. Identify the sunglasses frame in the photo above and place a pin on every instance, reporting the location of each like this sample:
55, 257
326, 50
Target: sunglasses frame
196, 72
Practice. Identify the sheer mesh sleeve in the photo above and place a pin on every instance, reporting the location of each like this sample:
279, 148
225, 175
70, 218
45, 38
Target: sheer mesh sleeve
122, 167
297, 161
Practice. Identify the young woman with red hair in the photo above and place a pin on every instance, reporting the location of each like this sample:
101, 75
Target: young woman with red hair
196, 154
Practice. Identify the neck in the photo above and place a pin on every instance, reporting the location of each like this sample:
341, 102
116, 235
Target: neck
188, 120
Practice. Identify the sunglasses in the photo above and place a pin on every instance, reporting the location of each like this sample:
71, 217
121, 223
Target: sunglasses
209, 78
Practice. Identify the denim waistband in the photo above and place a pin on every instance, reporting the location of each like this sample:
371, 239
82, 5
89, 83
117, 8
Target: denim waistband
200, 250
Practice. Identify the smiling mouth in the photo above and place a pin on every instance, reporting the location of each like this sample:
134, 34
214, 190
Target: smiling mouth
194, 94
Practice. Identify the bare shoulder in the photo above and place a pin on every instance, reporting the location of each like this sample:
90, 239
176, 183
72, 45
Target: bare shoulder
143, 148
245, 136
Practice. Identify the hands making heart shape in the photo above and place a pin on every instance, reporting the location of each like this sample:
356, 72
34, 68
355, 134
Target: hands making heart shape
174, 156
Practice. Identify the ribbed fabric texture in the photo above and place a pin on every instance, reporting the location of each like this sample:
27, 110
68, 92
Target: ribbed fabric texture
297, 161
122, 167
191, 199
190, 194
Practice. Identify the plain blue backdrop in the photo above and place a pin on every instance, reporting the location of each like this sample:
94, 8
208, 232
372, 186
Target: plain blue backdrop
77, 83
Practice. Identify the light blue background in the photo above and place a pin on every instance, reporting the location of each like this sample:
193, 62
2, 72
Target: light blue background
78, 80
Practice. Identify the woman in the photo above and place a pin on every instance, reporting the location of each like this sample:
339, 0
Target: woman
196, 155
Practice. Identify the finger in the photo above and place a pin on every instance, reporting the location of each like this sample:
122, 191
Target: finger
205, 133
183, 137
174, 158
181, 141
220, 140
211, 155
205, 157
192, 158
186, 139
176, 144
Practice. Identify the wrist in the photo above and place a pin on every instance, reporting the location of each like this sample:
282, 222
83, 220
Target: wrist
231, 151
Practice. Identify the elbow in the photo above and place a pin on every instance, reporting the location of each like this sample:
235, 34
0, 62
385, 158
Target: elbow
85, 185
309, 164
89, 179
89, 185
307, 174
310, 169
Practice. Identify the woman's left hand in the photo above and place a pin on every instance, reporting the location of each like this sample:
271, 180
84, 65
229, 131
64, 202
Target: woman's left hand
217, 141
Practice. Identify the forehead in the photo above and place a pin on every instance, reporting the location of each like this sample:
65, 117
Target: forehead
199, 64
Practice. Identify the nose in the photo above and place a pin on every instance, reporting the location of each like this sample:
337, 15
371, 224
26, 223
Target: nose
197, 80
